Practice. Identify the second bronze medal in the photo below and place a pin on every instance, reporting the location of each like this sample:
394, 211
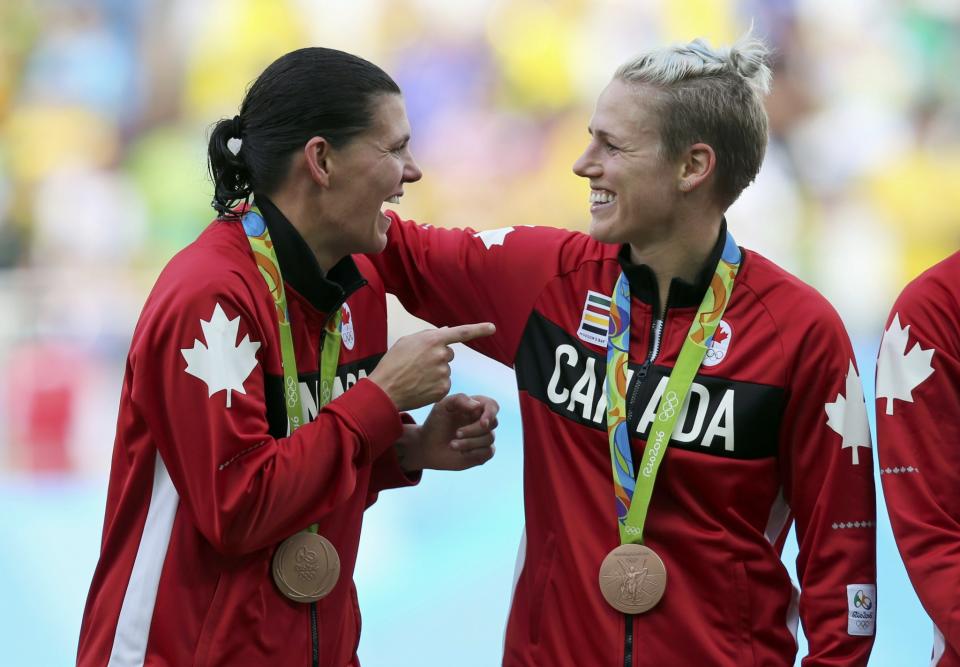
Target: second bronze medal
632, 578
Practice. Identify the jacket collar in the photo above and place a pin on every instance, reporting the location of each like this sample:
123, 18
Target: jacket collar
643, 282
299, 265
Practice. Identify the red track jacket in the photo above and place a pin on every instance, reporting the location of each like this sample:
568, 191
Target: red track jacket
918, 440
774, 431
205, 482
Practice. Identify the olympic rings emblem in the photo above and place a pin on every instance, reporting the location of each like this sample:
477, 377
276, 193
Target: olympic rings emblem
292, 390
668, 406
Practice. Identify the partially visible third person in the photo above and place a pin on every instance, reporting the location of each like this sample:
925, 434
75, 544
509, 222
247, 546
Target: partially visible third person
918, 443
261, 409
684, 400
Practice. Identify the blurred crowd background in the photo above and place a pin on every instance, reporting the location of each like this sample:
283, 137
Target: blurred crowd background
105, 109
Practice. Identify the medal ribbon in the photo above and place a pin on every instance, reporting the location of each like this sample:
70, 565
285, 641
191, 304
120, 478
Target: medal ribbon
633, 493
266, 257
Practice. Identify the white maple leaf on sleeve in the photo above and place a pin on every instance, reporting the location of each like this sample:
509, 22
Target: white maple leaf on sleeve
221, 363
492, 237
848, 416
899, 371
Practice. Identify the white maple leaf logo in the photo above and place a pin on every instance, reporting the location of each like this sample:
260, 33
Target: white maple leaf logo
848, 416
899, 371
492, 237
221, 363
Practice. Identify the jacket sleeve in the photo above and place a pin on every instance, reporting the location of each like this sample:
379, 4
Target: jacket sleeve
199, 384
827, 467
458, 276
387, 472
918, 441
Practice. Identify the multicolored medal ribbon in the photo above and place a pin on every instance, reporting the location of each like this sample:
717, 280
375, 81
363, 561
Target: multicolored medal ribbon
632, 576
306, 566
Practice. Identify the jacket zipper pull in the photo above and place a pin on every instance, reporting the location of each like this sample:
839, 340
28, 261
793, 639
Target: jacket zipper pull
642, 373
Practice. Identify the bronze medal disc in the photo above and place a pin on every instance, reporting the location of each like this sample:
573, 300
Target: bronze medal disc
632, 578
306, 567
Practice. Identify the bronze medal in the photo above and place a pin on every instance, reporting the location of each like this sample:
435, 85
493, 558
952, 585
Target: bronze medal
306, 567
632, 578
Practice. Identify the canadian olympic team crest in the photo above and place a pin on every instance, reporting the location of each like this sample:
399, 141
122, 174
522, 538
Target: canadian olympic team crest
346, 327
720, 346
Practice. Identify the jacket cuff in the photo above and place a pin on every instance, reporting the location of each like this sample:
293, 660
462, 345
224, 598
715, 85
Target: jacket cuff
373, 415
387, 473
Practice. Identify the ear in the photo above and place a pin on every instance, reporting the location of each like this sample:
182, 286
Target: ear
699, 162
316, 152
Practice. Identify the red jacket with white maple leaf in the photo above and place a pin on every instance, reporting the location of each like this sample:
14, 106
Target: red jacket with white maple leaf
205, 481
918, 442
774, 432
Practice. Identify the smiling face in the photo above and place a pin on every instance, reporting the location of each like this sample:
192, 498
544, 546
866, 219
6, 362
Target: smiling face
366, 172
633, 191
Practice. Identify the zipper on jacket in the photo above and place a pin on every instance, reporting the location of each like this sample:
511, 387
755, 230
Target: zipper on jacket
315, 634
628, 642
656, 334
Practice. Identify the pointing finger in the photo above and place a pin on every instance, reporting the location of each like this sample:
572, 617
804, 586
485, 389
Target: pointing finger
466, 332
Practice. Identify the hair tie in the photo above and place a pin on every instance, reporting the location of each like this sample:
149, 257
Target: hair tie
237, 127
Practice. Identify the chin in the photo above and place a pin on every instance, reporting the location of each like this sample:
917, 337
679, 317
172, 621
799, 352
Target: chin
377, 240
603, 231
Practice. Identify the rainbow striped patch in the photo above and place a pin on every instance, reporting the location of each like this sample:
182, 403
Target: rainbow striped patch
595, 319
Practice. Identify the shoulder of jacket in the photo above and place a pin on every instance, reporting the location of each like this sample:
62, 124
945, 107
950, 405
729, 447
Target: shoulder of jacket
580, 250
939, 285
218, 263
790, 301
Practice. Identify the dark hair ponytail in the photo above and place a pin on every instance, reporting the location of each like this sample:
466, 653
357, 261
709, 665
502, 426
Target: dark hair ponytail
231, 178
305, 93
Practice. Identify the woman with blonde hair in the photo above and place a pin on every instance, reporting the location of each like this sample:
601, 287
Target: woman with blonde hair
684, 400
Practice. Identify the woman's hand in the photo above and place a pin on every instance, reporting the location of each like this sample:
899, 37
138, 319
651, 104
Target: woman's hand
457, 434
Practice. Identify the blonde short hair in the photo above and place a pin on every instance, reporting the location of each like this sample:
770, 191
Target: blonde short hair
713, 96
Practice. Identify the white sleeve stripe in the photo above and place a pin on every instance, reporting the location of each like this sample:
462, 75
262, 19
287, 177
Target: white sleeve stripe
517, 571
136, 612
779, 513
939, 646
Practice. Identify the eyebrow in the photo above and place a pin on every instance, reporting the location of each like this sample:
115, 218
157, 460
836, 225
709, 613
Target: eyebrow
600, 134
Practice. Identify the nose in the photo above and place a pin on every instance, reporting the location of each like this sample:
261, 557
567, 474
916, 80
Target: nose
411, 171
585, 165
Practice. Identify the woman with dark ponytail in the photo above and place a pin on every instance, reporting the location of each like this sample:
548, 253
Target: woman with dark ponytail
261, 409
